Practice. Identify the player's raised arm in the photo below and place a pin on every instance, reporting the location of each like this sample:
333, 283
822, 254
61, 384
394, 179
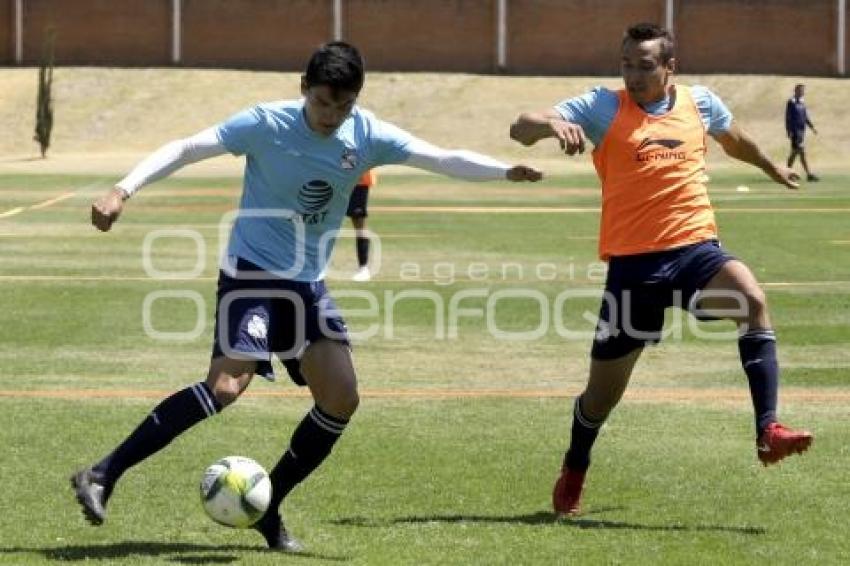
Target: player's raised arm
465, 164
738, 144
161, 163
531, 127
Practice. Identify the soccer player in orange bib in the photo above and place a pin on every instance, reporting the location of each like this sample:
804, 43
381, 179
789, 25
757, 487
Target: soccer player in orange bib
659, 237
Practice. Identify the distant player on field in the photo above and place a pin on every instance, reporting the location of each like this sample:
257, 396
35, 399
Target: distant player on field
303, 157
358, 210
796, 120
659, 237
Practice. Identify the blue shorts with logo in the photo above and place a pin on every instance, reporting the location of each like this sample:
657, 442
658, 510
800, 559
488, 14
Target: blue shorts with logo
640, 287
258, 314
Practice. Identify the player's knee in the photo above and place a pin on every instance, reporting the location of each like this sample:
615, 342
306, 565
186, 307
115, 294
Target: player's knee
756, 303
227, 389
225, 395
342, 403
227, 378
597, 407
348, 403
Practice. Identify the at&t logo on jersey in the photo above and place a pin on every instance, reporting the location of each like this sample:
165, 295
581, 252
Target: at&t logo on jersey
313, 200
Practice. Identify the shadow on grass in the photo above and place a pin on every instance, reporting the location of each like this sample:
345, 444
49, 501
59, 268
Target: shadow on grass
181, 553
21, 159
603, 524
539, 518
547, 518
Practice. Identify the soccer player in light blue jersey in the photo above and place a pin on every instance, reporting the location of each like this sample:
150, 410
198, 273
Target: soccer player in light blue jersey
303, 157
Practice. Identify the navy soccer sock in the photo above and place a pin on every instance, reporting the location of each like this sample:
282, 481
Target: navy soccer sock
362, 251
758, 357
168, 420
311, 443
583, 436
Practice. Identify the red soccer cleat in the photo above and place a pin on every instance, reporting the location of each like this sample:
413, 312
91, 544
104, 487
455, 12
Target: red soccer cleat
566, 497
777, 442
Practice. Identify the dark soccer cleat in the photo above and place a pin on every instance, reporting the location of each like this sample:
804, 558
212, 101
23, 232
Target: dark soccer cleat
777, 442
566, 497
92, 494
272, 528
812, 177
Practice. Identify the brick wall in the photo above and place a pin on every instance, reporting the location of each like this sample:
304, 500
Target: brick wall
99, 32
544, 36
7, 32
767, 36
258, 34
573, 38
412, 35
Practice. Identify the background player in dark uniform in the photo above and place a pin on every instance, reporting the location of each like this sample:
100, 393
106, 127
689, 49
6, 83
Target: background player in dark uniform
796, 120
358, 210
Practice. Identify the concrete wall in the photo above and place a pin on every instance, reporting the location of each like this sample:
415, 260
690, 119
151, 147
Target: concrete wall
543, 36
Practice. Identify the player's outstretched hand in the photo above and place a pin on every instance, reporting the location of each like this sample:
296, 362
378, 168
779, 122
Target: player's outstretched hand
785, 176
519, 173
106, 210
570, 136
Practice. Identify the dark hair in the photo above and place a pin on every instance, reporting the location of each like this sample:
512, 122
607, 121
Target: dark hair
648, 32
336, 64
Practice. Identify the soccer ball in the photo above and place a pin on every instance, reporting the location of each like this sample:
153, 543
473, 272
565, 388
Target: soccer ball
235, 491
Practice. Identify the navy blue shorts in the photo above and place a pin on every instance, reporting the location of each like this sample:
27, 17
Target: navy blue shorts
264, 315
798, 140
358, 204
640, 287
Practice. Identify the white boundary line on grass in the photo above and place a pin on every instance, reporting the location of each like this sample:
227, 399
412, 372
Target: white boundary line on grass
12, 212
572, 210
139, 278
646, 394
482, 209
50, 201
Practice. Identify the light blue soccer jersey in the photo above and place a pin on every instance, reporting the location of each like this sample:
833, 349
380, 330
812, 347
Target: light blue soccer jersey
594, 111
297, 183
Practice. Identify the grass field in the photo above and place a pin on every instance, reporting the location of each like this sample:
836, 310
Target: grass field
452, 455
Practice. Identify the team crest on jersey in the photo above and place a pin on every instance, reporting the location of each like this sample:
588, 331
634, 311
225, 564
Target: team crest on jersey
257, 328
348, 160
